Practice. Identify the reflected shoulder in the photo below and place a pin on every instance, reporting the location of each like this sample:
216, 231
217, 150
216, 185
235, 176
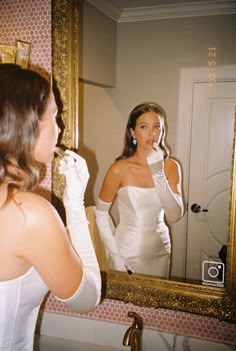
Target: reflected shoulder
172, 168
171, 163
113, 180
118, 167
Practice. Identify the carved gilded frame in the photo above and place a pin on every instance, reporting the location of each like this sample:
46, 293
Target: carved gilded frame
65, 72
137, 289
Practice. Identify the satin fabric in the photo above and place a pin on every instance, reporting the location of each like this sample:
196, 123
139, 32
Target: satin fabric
142, 235
20, 300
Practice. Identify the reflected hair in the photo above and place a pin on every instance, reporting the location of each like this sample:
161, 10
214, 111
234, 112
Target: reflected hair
129, 147
24, 96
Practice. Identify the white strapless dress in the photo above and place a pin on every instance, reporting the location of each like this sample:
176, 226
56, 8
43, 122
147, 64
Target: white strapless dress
142, 235
20, 300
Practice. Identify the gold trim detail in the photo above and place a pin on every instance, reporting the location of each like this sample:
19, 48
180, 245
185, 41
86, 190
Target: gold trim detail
65, 75
151, 292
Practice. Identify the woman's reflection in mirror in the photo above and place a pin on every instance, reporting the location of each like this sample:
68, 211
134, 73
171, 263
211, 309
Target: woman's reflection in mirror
147, 185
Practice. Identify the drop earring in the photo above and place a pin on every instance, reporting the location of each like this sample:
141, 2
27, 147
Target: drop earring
134, 141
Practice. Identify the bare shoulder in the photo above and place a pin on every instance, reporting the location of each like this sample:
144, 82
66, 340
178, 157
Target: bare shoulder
36, 208
44, 244
172, 165
32, 200
116, 170
113, 180
118, 166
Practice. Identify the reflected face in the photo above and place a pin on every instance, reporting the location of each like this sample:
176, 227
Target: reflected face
148, 129
48, 133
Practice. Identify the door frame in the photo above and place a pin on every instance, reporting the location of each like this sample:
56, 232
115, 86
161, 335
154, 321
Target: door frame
187, 78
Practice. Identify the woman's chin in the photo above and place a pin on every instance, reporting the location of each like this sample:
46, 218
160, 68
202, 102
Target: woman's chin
45, 159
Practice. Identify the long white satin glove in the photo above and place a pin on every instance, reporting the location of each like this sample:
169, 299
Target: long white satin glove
171, 203
75, 170
107, 236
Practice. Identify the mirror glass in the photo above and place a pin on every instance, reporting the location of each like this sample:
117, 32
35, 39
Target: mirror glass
171, 62
149, 67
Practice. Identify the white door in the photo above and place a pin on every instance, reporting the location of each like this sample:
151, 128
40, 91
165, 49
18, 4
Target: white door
204, 149
209, 177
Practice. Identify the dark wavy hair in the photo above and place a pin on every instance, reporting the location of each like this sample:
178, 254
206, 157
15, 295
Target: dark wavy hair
129, 148
23, 99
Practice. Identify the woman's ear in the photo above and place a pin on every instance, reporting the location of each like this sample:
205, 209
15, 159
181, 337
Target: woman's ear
132, 132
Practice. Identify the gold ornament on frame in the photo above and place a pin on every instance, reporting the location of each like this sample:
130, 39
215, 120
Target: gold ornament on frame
19, 54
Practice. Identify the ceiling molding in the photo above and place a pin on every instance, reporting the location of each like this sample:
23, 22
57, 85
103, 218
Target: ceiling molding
193, 9
108, 8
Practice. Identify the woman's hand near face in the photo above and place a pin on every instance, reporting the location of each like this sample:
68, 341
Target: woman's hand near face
75, 170
167, 181
168, 167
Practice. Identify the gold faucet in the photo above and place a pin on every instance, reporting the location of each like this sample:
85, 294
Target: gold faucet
133, 335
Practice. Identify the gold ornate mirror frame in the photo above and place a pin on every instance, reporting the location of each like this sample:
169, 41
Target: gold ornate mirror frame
139, 290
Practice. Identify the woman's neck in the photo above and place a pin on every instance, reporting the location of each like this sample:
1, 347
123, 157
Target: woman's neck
141, 156
3, 193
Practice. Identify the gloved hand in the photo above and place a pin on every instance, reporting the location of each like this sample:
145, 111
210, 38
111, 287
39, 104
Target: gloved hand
156, 161
106, 230
75, 170
171, 203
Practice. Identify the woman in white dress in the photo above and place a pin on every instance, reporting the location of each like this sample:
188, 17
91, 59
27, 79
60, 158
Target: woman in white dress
147, 185
37, 253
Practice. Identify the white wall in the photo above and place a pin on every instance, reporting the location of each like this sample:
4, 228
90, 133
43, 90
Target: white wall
97, 40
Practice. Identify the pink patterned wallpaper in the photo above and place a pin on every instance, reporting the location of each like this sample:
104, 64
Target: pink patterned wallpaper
31, 21
161, 319
28, 21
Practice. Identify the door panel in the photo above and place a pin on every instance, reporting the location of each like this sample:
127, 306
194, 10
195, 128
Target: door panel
209, 173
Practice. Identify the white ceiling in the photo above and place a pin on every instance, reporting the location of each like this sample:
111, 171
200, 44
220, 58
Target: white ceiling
139, 10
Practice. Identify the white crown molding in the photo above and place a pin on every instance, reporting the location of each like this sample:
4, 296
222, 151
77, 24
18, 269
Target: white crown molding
108, 8
192, 9
178, 10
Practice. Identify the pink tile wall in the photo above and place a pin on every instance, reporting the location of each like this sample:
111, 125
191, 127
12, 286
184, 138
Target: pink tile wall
161, 319
31, 21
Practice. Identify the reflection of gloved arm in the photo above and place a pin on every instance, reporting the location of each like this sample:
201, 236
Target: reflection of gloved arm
171, 203
87, 297
107, 236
